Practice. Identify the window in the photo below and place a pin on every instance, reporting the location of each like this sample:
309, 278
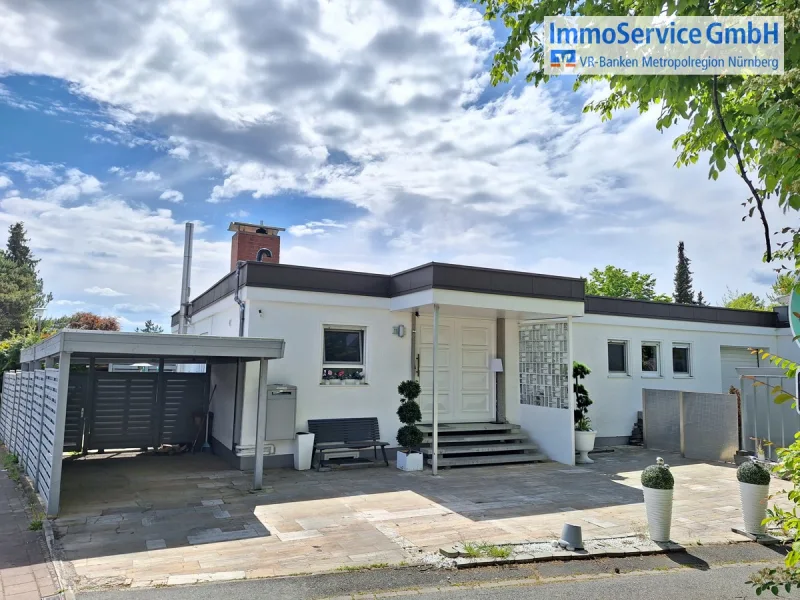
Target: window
618, 357
681, 360
650, 359
344, 346
343, 354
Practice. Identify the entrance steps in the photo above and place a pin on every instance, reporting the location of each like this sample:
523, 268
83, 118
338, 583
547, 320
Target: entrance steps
474, 444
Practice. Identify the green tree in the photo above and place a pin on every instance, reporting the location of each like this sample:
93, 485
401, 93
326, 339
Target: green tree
701, 301
748, 121
614, 282
17, 248
783, 286
684, 294
742, 301
150, 327
21, 288
19, 295
11, 347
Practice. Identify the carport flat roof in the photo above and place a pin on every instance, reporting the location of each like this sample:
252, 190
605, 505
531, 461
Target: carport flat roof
116, 344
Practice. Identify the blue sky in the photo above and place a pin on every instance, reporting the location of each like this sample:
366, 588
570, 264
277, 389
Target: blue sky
369, 130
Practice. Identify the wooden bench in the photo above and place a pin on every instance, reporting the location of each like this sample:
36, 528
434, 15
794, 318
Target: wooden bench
337, 435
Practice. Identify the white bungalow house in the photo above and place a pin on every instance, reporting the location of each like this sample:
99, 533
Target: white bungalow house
506, 341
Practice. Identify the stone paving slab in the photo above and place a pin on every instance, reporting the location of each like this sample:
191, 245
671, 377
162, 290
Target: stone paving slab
25, 568
139, 521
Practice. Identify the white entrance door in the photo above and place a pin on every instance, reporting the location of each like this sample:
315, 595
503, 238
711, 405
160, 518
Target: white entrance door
466, 385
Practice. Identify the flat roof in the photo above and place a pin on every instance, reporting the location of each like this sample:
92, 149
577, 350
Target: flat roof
186, 348
469, 279
424, 277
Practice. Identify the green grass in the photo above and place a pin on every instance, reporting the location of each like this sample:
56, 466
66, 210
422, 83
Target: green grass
352, 568
36, 525
483, 550
12, 467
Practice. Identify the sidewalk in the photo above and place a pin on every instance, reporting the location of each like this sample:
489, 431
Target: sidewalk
25, 572
152, 521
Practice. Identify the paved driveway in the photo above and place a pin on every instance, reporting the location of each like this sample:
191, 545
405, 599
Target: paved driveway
170, 520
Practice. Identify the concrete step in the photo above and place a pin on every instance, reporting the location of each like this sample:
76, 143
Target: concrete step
497, 459
484, 448
445, 428
476, 438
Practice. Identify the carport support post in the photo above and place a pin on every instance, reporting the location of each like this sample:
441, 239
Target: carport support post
435, 391
58, 440
261, 425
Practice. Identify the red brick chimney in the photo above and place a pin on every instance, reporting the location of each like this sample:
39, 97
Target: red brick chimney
249, 238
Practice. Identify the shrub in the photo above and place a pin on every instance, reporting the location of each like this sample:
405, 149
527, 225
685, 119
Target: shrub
409, 436
658, 476
752, 472
582, 400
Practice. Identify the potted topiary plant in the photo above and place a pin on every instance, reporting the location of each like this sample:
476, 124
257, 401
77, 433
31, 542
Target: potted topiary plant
409, 436
753, 490
584, 434
658, 484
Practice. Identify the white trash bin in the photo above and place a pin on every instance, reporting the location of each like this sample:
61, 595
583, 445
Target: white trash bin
303, 449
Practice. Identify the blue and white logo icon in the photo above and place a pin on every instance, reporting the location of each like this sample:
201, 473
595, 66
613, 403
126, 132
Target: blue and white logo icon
563, 58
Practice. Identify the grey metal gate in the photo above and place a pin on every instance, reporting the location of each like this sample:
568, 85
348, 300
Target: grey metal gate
761, 417
133, 410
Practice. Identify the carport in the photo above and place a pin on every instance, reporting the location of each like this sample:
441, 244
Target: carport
47, 411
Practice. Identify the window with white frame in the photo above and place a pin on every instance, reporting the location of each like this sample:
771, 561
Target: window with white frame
651, 359
617, 357
343, 353
682, 360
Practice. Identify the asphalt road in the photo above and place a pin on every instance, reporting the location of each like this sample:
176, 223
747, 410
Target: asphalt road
705, 573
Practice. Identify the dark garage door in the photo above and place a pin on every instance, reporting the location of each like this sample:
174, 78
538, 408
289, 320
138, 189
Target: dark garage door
128, 410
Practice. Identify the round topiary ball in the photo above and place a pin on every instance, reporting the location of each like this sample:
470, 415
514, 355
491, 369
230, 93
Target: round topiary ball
753, 473
658, 477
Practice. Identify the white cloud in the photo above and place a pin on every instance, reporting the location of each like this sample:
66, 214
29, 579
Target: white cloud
171, 196
33, 170
375, 106
148, 307
5, 181
102, 291
239, 214
62, 302
180, 152
314, 228
146, 176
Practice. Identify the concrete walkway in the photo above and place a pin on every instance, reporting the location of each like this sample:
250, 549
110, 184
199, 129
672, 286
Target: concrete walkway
25, 572
173, 520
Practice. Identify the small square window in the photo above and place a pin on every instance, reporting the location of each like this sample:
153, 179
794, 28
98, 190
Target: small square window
618, 357
344, 347
681, 359
650, 358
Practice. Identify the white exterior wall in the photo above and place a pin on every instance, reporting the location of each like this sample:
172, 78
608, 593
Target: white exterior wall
617, 398
298, 318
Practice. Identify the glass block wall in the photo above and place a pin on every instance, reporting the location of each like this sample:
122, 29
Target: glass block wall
544, 376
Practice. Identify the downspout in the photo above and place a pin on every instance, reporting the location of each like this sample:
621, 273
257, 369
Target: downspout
240, 302
237, 299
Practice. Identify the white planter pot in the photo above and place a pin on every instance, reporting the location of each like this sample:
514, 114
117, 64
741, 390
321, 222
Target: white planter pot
754, 506
303, 450
658, 504
584, 443
411, 461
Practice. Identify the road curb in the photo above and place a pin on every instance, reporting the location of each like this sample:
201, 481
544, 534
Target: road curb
596, 549
62, 572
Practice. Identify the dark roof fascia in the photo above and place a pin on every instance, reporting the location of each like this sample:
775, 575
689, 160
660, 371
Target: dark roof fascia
645, 309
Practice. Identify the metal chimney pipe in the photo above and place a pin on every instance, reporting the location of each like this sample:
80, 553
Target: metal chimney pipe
186, 280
